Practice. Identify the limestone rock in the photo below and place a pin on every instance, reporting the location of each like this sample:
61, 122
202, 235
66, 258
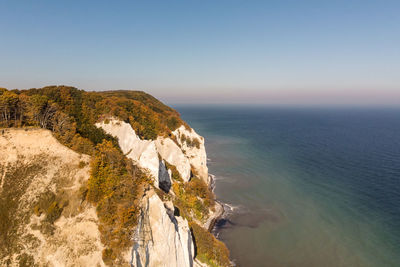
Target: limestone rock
161, 239
143, 152
197, 155
173, 154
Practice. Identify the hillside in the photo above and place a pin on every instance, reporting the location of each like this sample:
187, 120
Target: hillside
123, 154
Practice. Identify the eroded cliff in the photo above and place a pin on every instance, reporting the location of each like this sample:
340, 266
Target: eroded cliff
43, 219
102, 178
163, 238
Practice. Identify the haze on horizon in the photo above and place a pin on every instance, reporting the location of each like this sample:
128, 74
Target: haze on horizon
224, 51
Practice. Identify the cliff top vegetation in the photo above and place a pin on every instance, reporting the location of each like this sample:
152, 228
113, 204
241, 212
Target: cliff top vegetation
71, 113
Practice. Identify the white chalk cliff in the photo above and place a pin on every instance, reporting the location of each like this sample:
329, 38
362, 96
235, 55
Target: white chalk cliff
197, 156
145, 152
161, 238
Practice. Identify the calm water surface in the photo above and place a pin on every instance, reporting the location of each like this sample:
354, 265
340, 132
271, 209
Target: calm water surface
308, 187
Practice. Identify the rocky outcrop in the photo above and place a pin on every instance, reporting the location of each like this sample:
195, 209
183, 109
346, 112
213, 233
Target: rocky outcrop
192, 145
142, 152
145, 152
173, 154
161, 239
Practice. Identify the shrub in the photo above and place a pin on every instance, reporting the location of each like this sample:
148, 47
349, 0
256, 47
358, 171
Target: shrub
209, 249
115, 186
53, 212
194, 199
174, 172
82, 164
173, 123
183, 138
196, 143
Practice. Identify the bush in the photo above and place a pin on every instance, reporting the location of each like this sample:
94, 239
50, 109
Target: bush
173, 123
194, 199
196, 143
53, 212
51, 205
174, 172
82, 164
209, 249
115, 186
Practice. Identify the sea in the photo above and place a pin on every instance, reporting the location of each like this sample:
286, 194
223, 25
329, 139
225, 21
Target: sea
305, 186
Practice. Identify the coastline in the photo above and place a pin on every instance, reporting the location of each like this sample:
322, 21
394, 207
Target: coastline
219, 208
218, 215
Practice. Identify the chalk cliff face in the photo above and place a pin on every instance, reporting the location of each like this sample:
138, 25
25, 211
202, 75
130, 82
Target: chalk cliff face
161, 239
196, 154
145, 153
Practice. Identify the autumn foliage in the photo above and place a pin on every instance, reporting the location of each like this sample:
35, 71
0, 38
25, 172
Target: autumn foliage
209, 249
71, 113
115, 186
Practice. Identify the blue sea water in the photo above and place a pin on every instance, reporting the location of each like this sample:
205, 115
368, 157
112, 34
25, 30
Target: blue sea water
308, 186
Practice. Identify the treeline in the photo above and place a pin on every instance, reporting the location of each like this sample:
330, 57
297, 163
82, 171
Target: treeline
71, 113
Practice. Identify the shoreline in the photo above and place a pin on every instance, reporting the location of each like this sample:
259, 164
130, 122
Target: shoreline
219, 208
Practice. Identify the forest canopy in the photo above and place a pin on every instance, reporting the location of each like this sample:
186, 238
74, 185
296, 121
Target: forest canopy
72, 113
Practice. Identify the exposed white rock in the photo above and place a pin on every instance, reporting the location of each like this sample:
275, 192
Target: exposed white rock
161, 238
173, 154
143, 152
197, 156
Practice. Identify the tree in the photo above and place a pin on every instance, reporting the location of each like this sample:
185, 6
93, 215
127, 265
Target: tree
43, 110
23, 108
8, 107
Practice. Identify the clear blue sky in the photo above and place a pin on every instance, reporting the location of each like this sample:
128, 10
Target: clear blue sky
273, 52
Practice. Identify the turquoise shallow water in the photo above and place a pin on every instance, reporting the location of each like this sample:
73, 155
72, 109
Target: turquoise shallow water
308, 187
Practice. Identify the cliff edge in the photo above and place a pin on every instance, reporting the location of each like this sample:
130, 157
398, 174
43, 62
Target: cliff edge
102, 179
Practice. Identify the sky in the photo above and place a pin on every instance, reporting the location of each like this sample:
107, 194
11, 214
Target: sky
201, 51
